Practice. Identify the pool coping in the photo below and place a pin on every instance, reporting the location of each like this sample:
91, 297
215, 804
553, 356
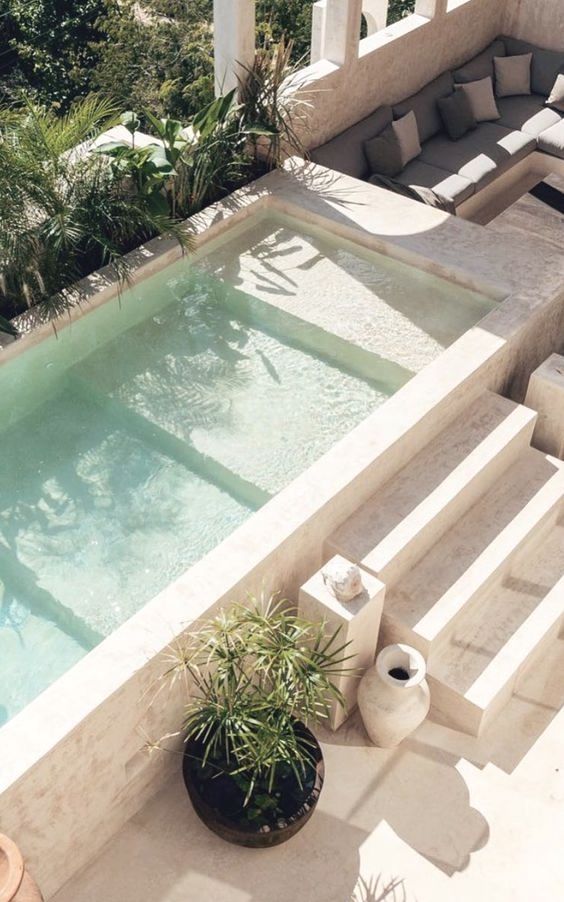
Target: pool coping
96, 714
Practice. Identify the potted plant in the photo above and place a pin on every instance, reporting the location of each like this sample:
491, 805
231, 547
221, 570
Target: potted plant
258, 676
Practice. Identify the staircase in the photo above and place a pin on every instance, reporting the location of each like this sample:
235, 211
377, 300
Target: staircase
469, 541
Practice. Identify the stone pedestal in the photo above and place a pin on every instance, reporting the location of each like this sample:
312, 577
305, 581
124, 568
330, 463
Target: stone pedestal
545, 394
359, 620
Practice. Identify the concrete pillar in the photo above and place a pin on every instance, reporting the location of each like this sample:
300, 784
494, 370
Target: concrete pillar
376, 15
359, 623
545, 394
234, 41
336, 30
318, 20
431, 8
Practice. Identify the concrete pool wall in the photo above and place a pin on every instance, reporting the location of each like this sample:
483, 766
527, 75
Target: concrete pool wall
72, 765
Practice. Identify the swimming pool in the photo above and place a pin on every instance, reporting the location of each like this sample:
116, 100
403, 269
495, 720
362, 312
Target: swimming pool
142, 436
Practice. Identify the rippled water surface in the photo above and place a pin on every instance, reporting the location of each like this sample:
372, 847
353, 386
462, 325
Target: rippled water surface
140, 438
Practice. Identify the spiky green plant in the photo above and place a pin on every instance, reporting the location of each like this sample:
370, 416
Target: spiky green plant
273, 109
253, 673
63, 211
215, 159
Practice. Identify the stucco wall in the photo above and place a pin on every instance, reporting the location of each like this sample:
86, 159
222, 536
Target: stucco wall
539, 21
403, 58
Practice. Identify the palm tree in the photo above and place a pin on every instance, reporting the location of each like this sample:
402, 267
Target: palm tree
63, 211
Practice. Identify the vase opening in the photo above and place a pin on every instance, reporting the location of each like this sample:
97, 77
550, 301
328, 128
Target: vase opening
399, 673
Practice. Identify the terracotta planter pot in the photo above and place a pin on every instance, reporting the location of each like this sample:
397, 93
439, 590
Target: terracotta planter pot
228, 827
16, 885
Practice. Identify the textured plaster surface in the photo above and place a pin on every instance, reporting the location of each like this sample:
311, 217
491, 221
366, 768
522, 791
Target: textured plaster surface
446, 817
375, 71
73, 769
541, 22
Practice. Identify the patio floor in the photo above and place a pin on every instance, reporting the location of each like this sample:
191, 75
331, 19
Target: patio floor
445, 817
533, 216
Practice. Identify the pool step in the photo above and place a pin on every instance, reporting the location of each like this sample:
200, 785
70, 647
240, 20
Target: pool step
454, 578
22, 583
411, 512
473, 676
180, 450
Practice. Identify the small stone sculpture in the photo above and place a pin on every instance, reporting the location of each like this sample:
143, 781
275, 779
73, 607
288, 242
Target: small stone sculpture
343, 579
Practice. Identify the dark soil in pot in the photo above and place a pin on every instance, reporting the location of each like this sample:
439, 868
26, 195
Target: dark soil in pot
268, 819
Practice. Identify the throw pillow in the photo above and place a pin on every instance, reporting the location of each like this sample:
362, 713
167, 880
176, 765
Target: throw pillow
556, 99
383, 153
407, 134
456, 113
513, 75
482, 101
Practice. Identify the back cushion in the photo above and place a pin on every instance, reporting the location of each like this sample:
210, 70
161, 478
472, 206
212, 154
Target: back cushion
546, 63
482, 66
345, 152
424, 105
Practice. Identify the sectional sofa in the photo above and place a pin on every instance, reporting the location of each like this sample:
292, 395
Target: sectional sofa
456, 171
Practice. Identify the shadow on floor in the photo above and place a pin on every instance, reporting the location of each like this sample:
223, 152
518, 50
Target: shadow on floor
415, 789
164, 853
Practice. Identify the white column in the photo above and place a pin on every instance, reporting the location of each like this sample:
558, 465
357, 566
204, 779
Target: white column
545, 394
234, 41
376, 15
430, 8
336, 30
359, 623
318, 22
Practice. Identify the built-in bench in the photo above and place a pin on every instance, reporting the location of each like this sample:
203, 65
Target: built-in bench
523, 145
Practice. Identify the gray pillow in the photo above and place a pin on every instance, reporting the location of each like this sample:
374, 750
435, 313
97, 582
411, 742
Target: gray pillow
345, 152
513, 75
556, 99
482, 100
424, 105
456, 113
546, 63
408, 137
481, 66
383, 153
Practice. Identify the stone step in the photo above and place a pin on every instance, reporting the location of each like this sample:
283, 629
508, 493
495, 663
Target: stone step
409, 514
453, 578
473, 677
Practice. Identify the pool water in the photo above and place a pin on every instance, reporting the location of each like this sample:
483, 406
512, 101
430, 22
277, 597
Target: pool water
140, 437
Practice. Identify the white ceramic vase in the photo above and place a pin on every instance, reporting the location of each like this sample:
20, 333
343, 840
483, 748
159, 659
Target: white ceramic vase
393, 695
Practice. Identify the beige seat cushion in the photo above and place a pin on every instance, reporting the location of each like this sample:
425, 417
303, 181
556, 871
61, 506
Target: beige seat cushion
448, 185
481, 155
528, 113
552, 140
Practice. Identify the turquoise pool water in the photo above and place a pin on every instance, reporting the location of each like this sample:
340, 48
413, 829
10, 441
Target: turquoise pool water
141, 437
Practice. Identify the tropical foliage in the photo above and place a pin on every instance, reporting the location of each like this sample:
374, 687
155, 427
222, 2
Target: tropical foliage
273, 114
63, 211
154, 54
252, 674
